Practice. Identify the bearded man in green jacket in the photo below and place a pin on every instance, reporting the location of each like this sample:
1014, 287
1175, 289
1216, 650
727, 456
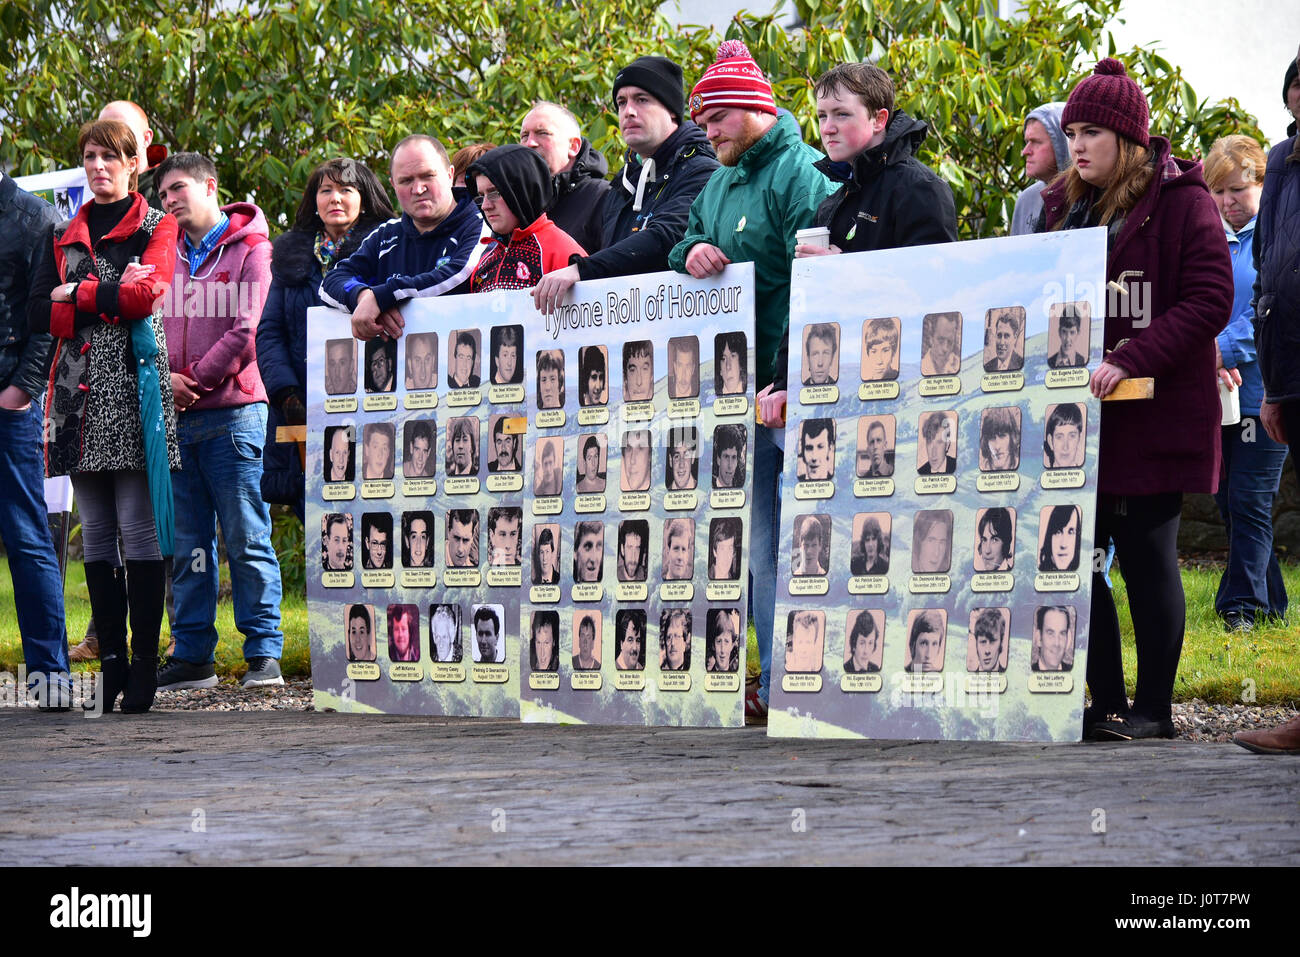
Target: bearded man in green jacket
766, 190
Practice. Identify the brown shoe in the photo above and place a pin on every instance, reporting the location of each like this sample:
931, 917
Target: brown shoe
88, 650
1284, 739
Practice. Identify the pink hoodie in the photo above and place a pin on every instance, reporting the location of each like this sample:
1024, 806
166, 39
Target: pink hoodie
211, 317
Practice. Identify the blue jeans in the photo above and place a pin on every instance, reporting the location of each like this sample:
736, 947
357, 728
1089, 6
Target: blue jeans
220, 480
1252, 583
765, 533
33, 565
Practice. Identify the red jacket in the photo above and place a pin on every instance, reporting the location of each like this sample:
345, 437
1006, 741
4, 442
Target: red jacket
532, 252
94, 418
1172, 259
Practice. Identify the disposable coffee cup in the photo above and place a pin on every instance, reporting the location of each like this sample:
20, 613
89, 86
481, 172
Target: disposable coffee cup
1231, 402
819, 236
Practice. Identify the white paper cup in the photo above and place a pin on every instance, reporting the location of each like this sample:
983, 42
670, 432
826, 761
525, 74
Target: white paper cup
814, 236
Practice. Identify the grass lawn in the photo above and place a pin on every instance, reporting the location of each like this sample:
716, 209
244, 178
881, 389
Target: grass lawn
230, 656
1216, 666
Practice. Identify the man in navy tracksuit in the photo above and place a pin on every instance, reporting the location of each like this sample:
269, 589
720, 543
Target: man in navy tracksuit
430, 251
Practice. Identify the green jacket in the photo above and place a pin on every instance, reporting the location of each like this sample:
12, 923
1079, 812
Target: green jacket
751, 212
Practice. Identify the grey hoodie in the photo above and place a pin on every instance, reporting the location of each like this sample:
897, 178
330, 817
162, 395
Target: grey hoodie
1030, 202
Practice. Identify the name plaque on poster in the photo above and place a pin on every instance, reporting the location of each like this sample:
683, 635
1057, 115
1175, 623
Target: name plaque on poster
420, 400
1056, 581
461, 578
940, 385
1057, 682
799, 683
814, 490
379, 403
419, 578
997, 482
726, 681
1065, 378
491, 674
629, 681
684, 500
512, 482
450, 672
727, 498
462, 398
674, 681
460, 485
868, 585
870, 391
861, 684
631, 591
729, 405
722, 591
1062, 478
417, 487
873, 488
1002, 381
506, 394
339, 492
378, 578
377, 489
819, 395
504, 577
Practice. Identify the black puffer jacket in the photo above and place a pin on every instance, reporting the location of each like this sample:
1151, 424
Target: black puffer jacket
578, 195
891, 199
639, 241
1277, 274
24, 220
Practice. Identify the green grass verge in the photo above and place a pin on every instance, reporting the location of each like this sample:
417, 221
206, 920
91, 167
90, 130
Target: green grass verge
1216, 666
296, 659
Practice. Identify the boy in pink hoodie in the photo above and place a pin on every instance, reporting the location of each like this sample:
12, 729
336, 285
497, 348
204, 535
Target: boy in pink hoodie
223, 273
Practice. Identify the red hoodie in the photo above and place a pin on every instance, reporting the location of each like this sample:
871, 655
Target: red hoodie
531, 253
211, 317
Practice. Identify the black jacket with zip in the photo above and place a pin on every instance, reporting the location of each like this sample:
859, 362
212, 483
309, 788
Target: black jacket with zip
639, 241
889, 198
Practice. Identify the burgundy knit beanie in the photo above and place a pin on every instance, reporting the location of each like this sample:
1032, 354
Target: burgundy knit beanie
1111, 99
735, 80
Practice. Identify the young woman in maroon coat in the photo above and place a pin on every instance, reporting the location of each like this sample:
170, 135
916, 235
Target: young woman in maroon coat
1167, 254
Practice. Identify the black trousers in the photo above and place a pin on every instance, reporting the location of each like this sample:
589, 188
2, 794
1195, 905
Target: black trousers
1145, 531
1291, 422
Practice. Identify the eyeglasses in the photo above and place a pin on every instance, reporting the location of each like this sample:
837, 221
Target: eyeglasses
491, 196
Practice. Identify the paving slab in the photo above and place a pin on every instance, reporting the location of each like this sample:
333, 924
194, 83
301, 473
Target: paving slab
333, 789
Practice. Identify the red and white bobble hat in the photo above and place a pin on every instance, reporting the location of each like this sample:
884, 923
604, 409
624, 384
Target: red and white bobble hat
733, 80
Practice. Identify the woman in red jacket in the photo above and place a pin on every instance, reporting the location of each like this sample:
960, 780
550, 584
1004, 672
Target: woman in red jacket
1170, 291
111, 424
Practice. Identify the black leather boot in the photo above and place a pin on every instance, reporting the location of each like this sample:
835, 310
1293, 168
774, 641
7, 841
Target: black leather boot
145, 584
107, 589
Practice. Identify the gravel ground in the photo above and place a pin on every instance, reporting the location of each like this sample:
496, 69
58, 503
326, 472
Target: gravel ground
1195, 720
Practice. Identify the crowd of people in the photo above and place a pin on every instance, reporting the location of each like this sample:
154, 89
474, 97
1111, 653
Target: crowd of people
163, 413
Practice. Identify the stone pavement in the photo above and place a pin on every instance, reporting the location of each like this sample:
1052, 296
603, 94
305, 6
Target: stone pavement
307, 788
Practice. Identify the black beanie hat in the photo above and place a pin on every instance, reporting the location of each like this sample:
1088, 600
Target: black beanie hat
520, 175
658, 76
1287, 78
